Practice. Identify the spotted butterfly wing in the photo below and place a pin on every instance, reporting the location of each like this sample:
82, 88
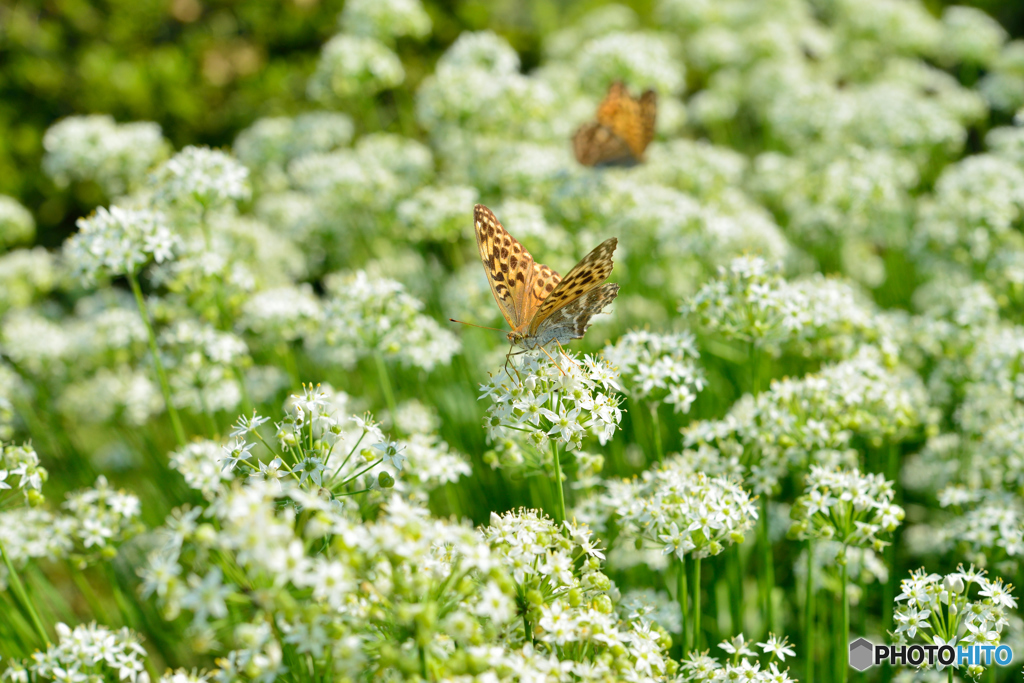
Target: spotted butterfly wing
572, 320
623, 129
519, 284
581, 294
540, 306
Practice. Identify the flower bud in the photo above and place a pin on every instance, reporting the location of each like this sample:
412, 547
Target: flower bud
385, 479
954, 583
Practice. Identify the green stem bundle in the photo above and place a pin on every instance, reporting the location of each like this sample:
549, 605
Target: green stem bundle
21, 595
385, 384
165, 387
681, 599
696, 603
844, 629
767, 576
809, 615
559, 494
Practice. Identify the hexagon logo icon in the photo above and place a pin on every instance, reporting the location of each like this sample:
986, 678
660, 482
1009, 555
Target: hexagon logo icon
861, 654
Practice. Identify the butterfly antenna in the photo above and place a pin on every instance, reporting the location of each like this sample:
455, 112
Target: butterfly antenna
482, 327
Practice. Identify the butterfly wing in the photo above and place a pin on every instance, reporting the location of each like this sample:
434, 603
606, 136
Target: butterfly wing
595, 145
586, 276
509, 266
629, 119
544, 283
572, 320
623, 129
648, 117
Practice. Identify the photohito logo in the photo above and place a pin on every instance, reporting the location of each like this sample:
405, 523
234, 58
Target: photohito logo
865, 654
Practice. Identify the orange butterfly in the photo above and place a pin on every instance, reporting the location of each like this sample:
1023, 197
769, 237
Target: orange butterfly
540, 306
622, 131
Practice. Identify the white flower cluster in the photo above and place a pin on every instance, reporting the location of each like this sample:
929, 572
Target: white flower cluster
549, 403
201, 365
21, 474
438, 214
989, 532
281, 314
118, 241
367, 316
641, 60
102, 518
28, 534
658, 367
270, 144
752, 303
115, 156
426, 588
385, 19
813, 419
199, 462
566, 608
477, 87
351, 187
684, 513
308, 437
26, 275
89, 652
353, 67
847, 506
200, 177
429, 463
16, 223
741, 665
943, 611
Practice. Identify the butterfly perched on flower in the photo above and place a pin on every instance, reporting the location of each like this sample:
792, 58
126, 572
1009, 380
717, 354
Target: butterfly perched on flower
540, 306
622, 131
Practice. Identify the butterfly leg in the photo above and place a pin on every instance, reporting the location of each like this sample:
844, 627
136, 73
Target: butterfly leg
567, 356
560, 371
508, 357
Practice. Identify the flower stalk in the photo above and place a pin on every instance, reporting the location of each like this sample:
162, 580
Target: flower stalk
179, 432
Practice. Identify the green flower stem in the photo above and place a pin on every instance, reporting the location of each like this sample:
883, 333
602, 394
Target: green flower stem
768, 572
696, 603
385, 383
91, 599
284, 350
559, 494
527, 627
247, 408
844, 628
161, 374
889, 589
681, 598
656, 430
755, 368
809, 614
735, 569
21, 596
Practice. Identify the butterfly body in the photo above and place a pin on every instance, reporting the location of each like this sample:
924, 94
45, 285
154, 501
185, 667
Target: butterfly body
540, 306
623, 129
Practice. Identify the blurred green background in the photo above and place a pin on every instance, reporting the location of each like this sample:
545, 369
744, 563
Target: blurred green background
205, 69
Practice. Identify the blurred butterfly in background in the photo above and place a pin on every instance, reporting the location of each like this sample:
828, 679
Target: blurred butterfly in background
540, 306
622, 131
